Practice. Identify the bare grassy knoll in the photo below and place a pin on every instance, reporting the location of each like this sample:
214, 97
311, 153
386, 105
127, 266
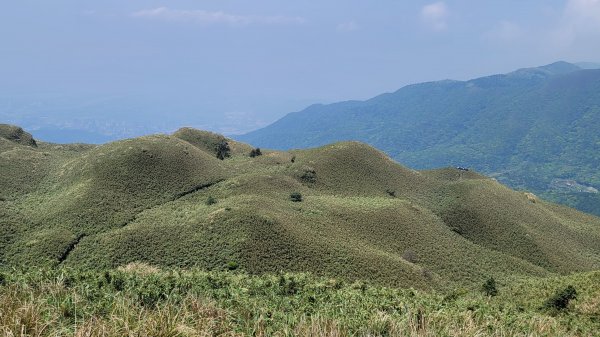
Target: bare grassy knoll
167, 200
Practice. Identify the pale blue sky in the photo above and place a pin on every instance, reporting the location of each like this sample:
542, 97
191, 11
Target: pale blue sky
232, 66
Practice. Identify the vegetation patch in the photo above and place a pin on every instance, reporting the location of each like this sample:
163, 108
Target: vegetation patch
255, 152
562, 298
296, 197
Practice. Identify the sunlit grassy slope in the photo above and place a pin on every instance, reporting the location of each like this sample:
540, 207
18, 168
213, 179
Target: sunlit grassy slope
363, 216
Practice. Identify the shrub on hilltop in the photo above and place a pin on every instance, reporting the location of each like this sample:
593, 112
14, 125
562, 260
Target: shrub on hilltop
223, 150
255, 152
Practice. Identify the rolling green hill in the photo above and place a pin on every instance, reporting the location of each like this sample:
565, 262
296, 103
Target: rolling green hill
166, 200
535, 129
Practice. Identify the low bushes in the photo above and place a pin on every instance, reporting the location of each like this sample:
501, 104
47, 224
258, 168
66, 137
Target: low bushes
560, 300
255, 153
489, 287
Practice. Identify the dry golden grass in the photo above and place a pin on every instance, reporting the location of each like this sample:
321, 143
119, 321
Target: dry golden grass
139, 268
195, 303
34, 316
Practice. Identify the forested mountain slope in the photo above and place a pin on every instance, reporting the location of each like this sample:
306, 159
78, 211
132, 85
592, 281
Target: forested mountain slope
536, 129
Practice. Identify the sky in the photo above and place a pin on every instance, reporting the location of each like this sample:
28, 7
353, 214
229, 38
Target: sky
127, 67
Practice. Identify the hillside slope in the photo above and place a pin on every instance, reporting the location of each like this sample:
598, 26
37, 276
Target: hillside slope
536, 129
170, 202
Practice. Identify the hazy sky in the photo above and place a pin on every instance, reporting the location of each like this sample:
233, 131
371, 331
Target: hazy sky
210, 62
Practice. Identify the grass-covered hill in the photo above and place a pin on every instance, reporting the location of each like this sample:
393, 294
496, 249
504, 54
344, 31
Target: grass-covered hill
536, 129
343, 210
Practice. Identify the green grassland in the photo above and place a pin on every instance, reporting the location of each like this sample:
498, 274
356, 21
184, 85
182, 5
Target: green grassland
155, 236
362, 215
140, 300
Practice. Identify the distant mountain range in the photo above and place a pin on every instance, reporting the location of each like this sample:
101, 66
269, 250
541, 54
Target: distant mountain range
588, 65
536, 129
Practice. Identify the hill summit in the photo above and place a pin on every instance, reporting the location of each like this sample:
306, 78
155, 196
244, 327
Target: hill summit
16, 134
345, 210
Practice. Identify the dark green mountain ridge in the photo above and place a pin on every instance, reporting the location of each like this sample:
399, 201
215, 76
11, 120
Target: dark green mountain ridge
535, 129
363, 216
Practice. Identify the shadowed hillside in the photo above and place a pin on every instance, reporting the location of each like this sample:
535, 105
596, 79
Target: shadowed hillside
169, 201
